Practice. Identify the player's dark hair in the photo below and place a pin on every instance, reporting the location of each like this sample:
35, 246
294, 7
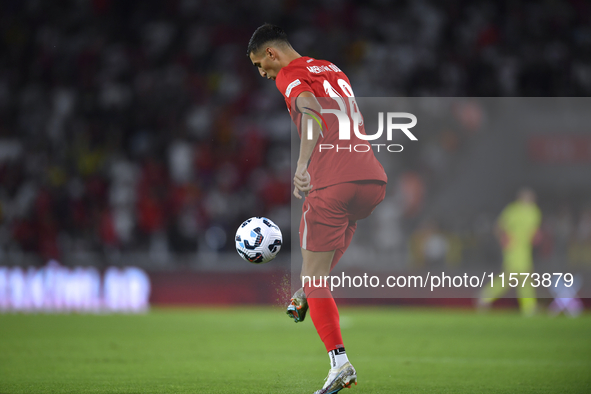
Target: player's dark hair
265, 34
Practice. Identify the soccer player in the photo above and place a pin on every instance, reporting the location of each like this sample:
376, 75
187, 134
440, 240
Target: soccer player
340, 186
516, 228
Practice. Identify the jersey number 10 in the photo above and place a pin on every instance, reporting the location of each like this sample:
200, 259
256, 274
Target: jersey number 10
353, 109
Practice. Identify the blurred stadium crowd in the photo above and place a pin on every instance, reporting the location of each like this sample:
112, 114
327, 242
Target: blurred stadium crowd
141, 125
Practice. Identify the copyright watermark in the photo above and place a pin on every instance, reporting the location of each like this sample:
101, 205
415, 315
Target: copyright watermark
442, 280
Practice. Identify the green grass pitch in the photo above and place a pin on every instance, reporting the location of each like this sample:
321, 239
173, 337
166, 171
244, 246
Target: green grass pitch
259, 350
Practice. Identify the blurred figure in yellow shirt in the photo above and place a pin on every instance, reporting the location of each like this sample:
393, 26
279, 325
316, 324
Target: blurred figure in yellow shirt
516, 229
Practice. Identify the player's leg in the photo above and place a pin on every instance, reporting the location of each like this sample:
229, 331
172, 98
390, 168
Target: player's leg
522, 262
366, 198
492, 292
363, 198
328, 223
325, 316
340, 251
323, 226
323, 309
528, 303
497, 288
298, 307
323, 231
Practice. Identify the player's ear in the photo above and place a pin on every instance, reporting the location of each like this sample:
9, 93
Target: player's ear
271, 53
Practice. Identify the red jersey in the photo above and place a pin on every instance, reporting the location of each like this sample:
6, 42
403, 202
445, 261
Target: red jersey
348, 160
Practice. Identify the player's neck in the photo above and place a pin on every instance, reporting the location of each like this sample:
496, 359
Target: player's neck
289, 56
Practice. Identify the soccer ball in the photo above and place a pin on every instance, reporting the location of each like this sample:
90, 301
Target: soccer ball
258, 240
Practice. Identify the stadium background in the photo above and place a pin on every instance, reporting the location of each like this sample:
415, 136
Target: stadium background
138, 133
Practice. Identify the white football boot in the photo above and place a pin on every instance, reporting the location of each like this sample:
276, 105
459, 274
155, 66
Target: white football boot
338, 379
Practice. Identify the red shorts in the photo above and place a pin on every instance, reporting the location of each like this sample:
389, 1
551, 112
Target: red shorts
327, 212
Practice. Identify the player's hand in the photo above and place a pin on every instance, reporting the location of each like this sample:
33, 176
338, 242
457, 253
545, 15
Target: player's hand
301, 181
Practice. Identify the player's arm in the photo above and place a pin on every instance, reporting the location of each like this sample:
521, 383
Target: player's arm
306, 103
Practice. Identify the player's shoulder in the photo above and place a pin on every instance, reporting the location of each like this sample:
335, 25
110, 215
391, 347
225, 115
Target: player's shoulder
292, 75
317, 66
508, 210
307, 67
304, 72
297, 68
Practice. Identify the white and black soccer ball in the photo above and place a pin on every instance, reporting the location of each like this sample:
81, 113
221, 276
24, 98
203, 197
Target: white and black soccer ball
258, 240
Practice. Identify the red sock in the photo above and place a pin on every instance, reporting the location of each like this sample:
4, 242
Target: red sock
325, 315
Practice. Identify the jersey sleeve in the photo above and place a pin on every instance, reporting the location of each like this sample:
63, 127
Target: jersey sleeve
291, 84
